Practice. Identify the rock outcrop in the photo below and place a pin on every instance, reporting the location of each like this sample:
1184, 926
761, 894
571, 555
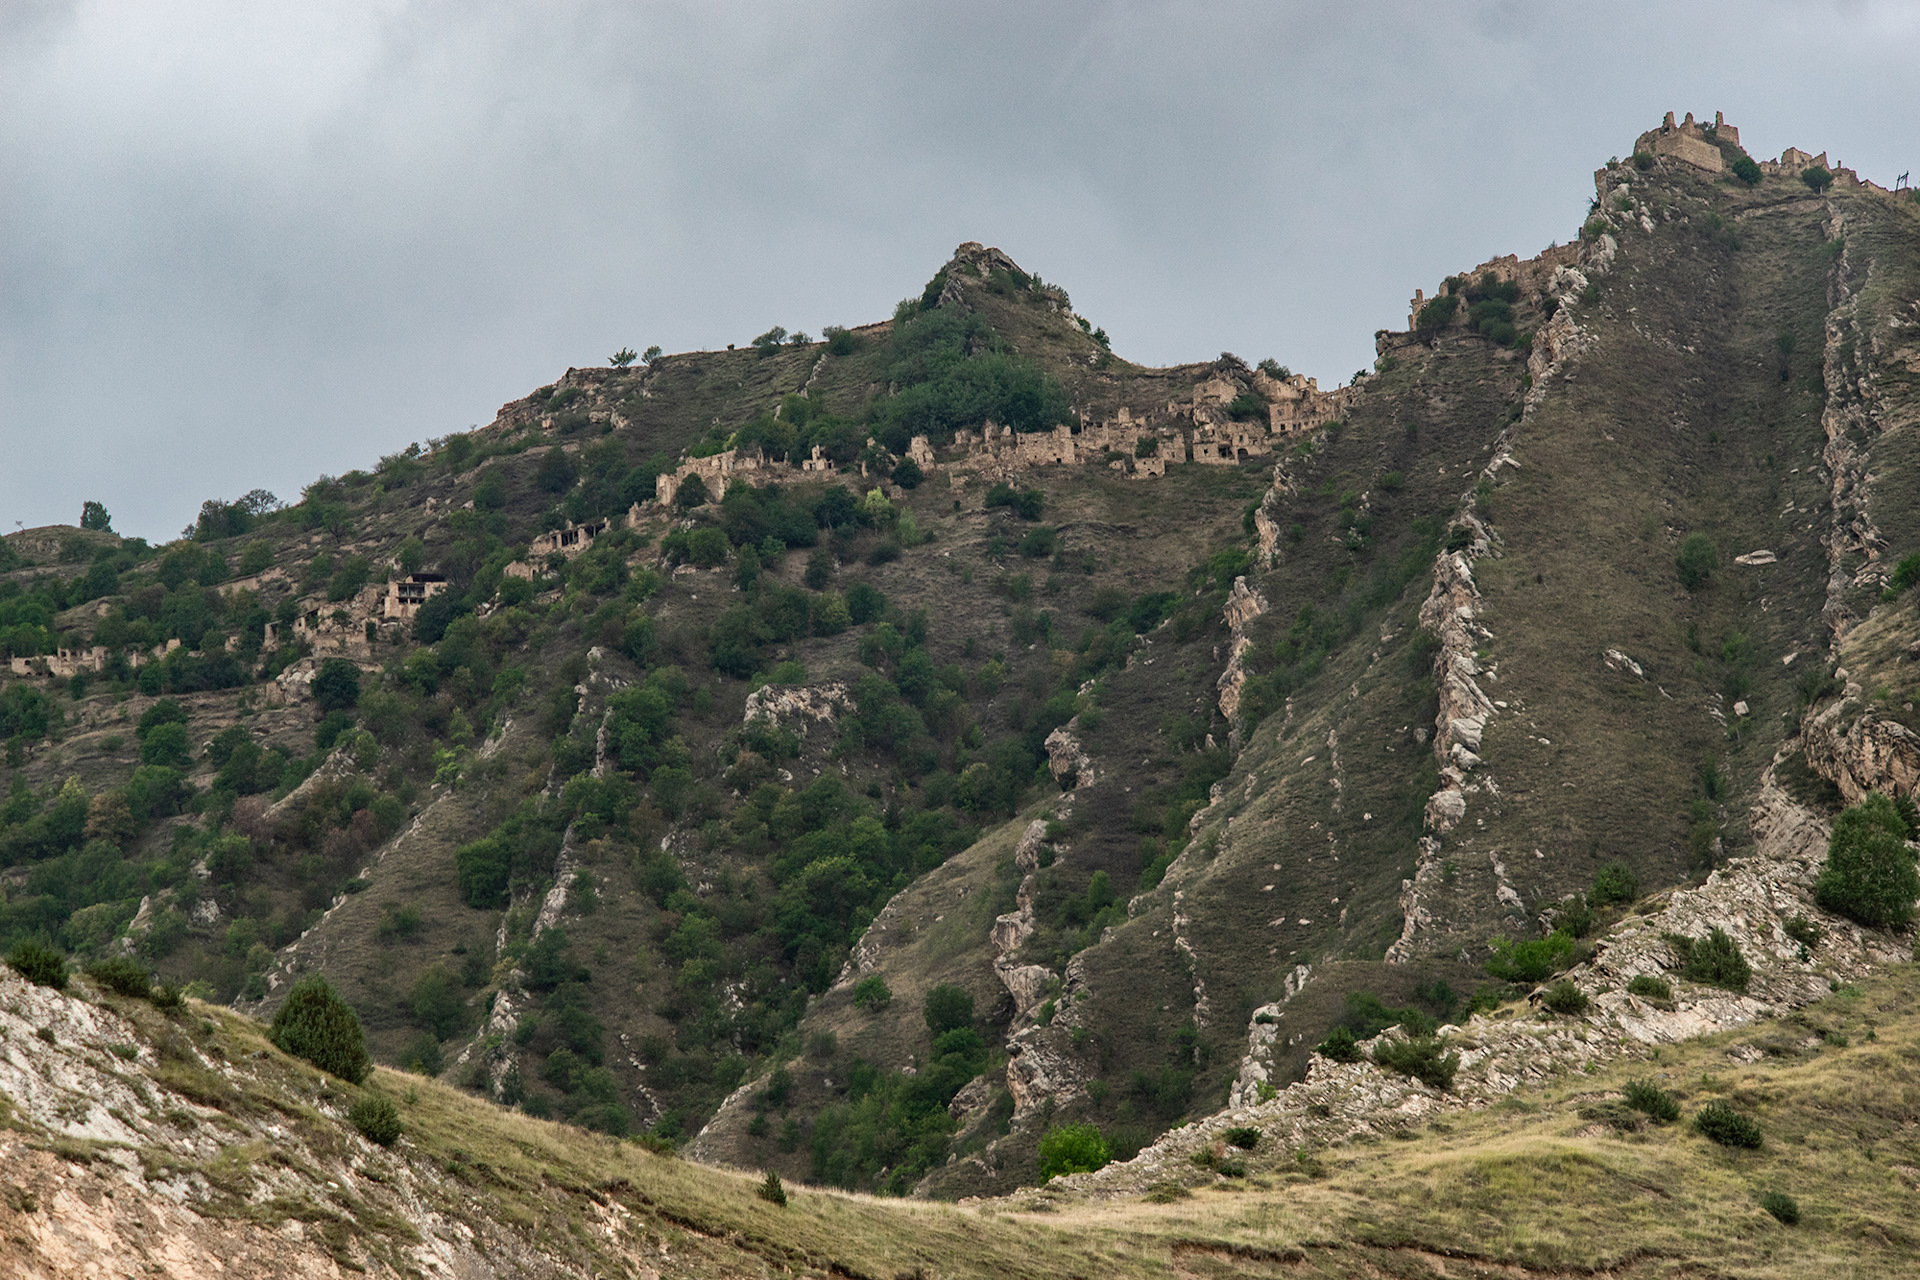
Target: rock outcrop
1751, 898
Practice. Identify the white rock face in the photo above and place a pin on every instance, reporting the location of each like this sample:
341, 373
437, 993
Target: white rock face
798, 707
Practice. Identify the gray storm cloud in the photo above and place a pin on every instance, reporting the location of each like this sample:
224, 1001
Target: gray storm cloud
244, 245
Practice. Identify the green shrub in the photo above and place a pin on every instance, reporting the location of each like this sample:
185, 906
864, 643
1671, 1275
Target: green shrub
1644, 1095
1870, 875
1038, 542
377, 1119
1781, 1206
316, 1024
1424, 1058
481, 871
39, 964
1247, 405
872, 992
167, 999
1246, 1137
1340, 1045
1817, 177
772, 1190
1650, 987
1906, 574
122, 974
337, 685
1073, 1148
948, 1008
1643, 160
1718, 1122
1746, 170
1565, 998
1696, 561
1803, 931
1437, 313
1614, 883
1531, 961
1714, 960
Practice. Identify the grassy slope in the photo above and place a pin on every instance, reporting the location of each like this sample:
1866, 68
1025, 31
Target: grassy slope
1530, 1183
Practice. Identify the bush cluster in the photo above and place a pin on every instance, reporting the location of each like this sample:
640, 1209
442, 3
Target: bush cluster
1073, 1148
1714, 960
1870, 874
1645, 1096
1721, 1123
39, 964
1422, 1057
377, 1119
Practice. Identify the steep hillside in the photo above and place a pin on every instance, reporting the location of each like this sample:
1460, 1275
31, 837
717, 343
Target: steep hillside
860, 757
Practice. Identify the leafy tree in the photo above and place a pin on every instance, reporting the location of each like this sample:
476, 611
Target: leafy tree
622, 358
316, 1024
1817, 177
24, 712
691, 493
166, 745
650, 354
337, 685
1746, 170
948, 1008
411, 555
256, 557
1073, 1148
94, 516
348, 578
557, 472
438, 1003
1870, 874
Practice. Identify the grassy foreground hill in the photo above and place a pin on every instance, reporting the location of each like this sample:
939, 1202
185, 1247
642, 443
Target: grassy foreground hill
859, 758
227, 1157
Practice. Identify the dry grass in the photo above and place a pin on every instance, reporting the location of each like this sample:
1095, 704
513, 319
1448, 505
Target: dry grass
1526, 1187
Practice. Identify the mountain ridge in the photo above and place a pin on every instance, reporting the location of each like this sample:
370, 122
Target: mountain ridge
1364, 682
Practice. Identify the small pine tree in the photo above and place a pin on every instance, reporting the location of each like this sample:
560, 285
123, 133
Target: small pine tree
772, 1190
1340, 1045
377, 1119
39, 964
1718, 1122
316, 1024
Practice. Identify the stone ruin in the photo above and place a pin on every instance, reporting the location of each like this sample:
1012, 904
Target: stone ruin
1199, 428
1696, 145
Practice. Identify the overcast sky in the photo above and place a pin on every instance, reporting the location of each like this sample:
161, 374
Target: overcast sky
242, 245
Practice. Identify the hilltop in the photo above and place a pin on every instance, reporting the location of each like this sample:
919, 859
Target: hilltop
860, 758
